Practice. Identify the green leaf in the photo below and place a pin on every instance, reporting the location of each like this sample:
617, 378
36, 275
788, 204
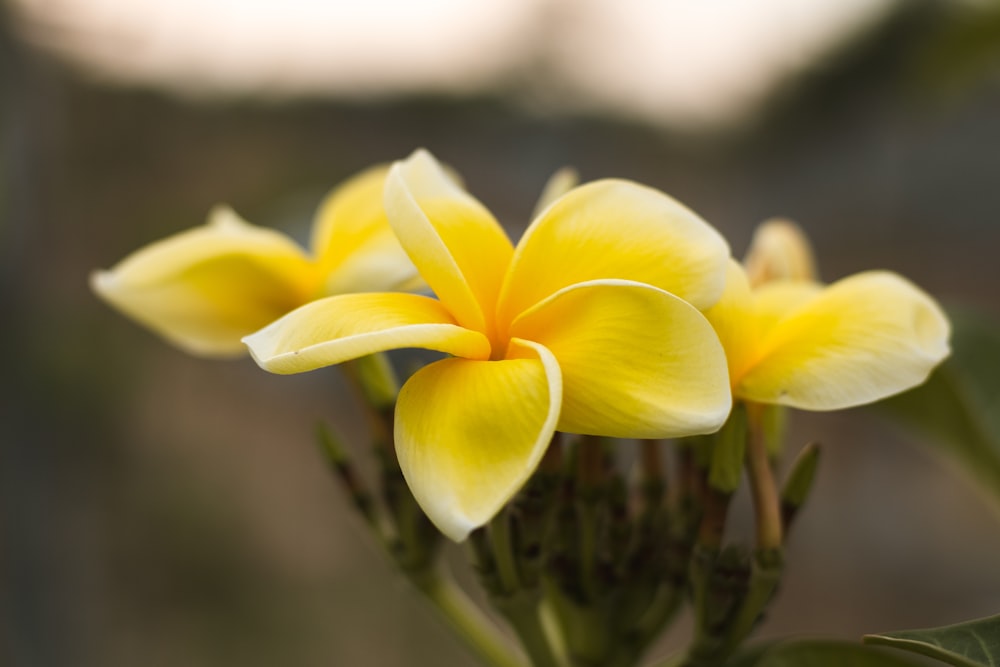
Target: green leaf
970, 644
959, 406
818, 653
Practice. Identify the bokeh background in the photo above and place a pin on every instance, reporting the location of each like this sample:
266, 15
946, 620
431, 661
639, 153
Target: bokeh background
157, 509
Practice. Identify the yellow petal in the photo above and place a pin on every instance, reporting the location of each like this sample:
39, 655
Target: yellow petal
732, 319
637, 362
352, 242
615, 229
742, 317
779, 250
338, 328
459, 248
206, 288
470, 433
862, 339
774, 301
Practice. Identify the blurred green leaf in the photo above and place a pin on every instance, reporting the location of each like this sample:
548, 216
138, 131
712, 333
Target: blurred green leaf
961, 49
959, 406
970, 644
818, 653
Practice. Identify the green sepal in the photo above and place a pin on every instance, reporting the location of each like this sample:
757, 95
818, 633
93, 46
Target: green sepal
773, 426
377, 379
799, 482
726, 468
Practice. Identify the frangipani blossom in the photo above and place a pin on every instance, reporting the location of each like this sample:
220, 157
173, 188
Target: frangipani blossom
590, 325
791, 341
206, 288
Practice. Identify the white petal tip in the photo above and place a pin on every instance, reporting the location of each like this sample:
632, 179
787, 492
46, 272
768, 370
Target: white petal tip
456, 529
222, 217
102, 282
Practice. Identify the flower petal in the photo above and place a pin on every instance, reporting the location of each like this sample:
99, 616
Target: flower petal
616, 229
206, 288
352, 241
862, 339
457, 245
470, 433
338, 328
741, 318
637, 362
732, 319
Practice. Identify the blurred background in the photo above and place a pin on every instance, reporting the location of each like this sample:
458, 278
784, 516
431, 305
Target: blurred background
157, 509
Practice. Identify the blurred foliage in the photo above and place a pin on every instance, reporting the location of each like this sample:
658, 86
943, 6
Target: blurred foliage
959, 406
924, 51
964, 49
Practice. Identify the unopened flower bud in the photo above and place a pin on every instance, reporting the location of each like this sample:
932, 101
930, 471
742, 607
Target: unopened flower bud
779, 250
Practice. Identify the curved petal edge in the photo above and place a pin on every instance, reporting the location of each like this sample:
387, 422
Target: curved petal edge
470, 433
637, 362
339, 328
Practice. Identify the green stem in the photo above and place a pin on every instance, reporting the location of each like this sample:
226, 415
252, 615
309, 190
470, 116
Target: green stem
521, 607
466, 619
523, 612
766, 574
713, 518
663, 608
762, 486
503, 552
590, 634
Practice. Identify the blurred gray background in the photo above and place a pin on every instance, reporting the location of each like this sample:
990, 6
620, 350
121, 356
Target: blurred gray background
157, 509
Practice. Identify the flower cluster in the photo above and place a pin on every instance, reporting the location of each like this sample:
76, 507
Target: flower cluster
619, 313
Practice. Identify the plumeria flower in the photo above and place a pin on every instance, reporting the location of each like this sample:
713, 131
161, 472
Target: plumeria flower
590, 325
791, 341
206, 288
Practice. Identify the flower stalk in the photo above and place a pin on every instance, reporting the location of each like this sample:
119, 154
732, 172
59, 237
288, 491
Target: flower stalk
466, 619
763, 489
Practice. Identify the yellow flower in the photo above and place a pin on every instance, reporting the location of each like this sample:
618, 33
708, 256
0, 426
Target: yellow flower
792, 341
587, 326
206, 288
